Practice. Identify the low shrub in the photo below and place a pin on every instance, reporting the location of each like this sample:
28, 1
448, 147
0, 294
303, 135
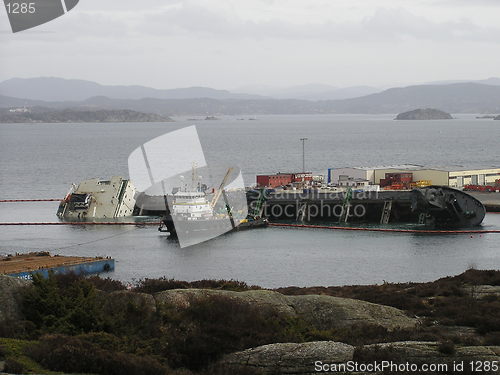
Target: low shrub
107, 284
18, 329
61, 303
14, 367
492, 338
213, 326
74, 355
152, 286
447, 347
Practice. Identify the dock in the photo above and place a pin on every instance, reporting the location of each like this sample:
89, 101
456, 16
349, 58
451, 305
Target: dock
25, 265
490, 200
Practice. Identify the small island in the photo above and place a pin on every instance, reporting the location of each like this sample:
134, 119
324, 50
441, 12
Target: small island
424, 114
486, 117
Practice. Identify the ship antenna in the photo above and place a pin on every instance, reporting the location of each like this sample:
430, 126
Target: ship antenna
193, 176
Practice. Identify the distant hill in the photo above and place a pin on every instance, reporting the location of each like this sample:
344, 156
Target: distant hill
178, 107
313, 92
493, 81
452, 98
59, 89
47, 115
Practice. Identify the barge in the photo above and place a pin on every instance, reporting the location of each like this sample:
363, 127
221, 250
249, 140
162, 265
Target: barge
42, 263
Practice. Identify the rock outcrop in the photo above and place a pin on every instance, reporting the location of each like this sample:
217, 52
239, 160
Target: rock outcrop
420, 352
424, 114
321, 312
9, 290
289, 358
480, 291
326, 312
497, 118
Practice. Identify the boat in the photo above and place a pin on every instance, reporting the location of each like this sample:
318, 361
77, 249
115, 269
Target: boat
192, 218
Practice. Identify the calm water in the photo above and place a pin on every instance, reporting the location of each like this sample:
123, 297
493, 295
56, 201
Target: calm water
42, 160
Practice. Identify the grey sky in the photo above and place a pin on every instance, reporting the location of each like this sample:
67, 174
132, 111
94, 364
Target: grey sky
239, 43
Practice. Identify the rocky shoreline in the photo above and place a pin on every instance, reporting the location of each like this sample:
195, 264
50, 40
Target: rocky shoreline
227, 327
77, 115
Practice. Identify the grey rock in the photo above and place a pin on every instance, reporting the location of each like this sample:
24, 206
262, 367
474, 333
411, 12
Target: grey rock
264, 298
420, 352
424, 114
497, 118
9, 291
289, 358
480, 291
321, 312
326, 312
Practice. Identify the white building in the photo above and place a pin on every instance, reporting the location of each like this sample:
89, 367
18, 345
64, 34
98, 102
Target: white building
450, 176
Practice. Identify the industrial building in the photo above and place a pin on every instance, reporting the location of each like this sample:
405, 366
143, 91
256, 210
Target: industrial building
462, 177
283, 179
420, 175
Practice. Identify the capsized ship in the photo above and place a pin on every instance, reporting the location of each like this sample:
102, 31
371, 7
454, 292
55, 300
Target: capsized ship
431, 207
98, 199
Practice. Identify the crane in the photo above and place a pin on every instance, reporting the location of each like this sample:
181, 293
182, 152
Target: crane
219, 192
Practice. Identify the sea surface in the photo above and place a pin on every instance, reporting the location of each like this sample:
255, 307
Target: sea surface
43, 160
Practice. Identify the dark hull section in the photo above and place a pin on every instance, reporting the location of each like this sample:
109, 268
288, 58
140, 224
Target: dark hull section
445, 207
433, 207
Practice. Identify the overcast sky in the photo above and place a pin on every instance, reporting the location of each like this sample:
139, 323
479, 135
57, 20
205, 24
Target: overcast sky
239, 43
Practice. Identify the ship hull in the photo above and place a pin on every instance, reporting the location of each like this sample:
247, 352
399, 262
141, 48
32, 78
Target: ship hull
433, 207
